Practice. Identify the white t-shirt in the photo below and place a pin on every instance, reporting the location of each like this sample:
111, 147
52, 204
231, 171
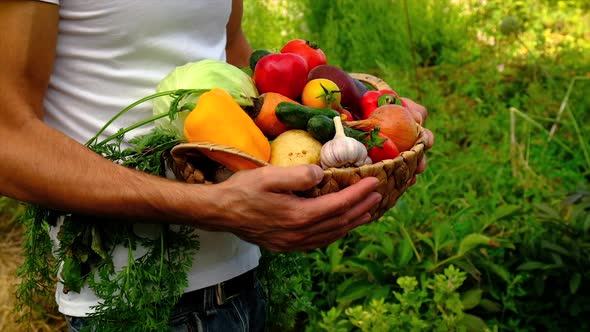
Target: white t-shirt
111, 53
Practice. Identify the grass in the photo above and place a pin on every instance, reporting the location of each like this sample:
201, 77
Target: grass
10, 259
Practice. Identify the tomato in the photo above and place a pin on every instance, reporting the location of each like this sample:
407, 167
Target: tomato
383, 148
346, 113
312, 54
321, 93
281, 73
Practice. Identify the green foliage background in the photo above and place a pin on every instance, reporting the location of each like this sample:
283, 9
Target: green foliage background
494, 236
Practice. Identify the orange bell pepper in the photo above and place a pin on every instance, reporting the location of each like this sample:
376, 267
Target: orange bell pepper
218, 118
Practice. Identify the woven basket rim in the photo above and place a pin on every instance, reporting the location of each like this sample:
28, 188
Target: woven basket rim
179, 151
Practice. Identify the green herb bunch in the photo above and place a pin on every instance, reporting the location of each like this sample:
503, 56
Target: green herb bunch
38, 268
140, 297
287, 279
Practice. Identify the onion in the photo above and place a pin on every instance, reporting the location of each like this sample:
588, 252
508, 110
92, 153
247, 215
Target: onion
394, 121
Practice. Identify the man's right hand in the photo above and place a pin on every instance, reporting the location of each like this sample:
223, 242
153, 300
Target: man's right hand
260, 207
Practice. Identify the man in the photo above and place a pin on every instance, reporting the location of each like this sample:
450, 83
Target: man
68, 67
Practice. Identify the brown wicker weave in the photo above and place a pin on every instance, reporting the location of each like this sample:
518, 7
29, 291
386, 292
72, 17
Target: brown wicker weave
189, 164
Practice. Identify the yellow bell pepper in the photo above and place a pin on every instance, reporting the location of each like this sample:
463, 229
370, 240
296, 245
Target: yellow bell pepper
218, 118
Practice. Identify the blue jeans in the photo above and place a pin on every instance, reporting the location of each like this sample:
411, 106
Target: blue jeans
245, 312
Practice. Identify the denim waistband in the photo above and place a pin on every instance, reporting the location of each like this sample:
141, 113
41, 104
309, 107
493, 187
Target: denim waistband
218, 294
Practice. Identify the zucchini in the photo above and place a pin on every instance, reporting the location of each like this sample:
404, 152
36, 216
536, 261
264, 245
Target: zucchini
322, 128
296, 116
255, 56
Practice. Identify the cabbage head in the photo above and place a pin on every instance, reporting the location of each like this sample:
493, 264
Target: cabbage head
203, 74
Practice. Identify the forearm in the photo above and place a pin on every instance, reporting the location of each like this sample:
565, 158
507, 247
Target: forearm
238, 48
238, 51
45, 167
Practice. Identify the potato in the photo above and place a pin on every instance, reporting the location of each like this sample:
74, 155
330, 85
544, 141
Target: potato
295, 147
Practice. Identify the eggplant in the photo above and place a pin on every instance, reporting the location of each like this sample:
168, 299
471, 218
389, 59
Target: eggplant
349, 90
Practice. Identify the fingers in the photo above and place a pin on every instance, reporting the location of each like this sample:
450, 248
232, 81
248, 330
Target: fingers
429, 141
296, 178
344, 221
334, 204
326, 231
324, 239
337, 214
415, 107
421, 165
310, 241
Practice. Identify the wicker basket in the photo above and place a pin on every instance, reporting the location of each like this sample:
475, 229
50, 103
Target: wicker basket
190, 165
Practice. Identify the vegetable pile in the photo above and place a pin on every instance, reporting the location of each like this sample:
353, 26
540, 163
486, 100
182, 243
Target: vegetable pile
294, 108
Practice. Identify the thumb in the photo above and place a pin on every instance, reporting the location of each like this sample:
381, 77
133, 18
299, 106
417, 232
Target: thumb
295, 178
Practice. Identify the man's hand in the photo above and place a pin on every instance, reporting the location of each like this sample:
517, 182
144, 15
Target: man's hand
429, 136
260, 207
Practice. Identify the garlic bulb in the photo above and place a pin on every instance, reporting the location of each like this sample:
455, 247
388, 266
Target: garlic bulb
342, 150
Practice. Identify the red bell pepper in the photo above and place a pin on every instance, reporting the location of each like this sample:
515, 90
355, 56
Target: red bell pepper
375, 98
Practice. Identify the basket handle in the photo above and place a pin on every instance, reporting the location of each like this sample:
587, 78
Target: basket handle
374, 81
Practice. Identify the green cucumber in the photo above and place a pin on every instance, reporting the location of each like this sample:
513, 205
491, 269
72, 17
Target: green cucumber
257, 55
322, 128
296, 116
